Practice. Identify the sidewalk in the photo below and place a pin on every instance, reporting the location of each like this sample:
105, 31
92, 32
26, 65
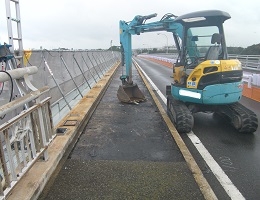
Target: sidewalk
125, 152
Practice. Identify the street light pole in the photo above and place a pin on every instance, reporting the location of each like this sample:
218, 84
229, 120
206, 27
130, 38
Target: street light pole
166, 41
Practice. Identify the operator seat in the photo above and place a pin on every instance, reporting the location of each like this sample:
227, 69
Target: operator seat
213, 51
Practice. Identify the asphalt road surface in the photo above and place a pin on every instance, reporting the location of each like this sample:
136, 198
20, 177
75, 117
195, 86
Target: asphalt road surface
237, 154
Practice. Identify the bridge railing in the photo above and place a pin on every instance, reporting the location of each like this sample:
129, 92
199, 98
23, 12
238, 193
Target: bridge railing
24, 138
250, 62
70, 75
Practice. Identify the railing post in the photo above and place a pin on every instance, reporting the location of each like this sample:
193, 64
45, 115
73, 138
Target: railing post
43, 133
93, 65
52, 75
258, 64
10, 155
88, 68
97, 65
105, 61
81, 71
4, 166
63, 61
102, 62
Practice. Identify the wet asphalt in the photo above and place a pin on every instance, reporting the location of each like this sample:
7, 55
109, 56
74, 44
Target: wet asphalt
125, 152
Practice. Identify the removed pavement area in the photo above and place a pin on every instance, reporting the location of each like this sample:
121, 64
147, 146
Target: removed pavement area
125, 152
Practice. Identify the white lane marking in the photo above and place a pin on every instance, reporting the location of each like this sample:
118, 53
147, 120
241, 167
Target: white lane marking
154, 86
223, 179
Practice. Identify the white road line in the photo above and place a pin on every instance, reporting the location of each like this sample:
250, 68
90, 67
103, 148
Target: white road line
154, 86
223, 179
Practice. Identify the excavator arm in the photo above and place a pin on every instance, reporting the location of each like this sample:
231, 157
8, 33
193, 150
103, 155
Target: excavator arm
129, 92
138, 26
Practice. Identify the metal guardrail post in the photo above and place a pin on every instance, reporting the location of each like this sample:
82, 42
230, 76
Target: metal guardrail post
246, 61
105, 61
10, 155
100, 62
88, 68
93, 66
97, 65
43, 132
114, 56
81, 71
52, 75
63, 61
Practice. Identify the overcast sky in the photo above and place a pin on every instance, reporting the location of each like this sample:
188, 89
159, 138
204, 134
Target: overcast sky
85, 24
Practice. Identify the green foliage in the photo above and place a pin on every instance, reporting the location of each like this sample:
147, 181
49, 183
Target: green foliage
252, 50
235, 50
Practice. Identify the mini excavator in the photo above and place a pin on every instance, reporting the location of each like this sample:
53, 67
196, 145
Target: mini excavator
204, 78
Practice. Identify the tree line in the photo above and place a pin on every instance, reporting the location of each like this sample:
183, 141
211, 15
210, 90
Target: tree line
250, 50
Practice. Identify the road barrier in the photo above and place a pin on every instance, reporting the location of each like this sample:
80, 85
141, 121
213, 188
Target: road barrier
249, 62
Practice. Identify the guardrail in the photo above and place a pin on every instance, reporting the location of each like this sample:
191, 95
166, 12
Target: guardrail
69, 75
250, 62
25, 138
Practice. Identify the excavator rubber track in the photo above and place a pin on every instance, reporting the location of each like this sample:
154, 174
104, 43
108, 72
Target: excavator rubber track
243, 119
180, 115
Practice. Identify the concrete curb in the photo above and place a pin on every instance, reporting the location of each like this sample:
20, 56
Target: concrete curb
33, 182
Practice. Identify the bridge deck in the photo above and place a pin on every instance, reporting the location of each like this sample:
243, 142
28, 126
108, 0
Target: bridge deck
125, 152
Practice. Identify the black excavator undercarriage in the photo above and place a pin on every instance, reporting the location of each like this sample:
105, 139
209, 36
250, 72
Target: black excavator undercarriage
240, 117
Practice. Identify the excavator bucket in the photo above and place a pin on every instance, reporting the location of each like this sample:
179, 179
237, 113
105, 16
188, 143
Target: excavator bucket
130, 94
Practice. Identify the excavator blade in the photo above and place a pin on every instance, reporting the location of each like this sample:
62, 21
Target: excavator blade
130, 94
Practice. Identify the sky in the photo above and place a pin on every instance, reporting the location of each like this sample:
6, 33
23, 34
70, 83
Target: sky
85, 24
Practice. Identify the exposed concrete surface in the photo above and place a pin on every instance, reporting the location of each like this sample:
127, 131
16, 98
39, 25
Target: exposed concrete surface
125, 152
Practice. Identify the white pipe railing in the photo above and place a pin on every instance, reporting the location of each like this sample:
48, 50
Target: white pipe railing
250, 62
25, 139
18, 73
